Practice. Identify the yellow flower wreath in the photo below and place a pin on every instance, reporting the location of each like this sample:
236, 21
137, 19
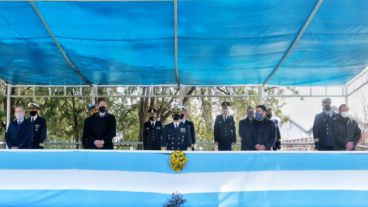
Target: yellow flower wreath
178, 160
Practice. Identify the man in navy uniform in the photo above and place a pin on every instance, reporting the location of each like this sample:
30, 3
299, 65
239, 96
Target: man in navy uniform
245, 127
100, 129
152, 134
277, 145
39, 126
189, 124
323, 139
20, 132
224, 129
263, 134
176, 135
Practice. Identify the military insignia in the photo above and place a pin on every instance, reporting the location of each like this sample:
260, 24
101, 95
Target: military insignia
158, 128
147, 128
182, 130
37, 127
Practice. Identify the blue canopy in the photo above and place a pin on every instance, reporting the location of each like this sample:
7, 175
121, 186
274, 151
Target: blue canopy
203, 42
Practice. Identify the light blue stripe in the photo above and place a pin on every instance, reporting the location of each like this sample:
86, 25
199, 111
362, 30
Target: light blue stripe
66, 198
198, 162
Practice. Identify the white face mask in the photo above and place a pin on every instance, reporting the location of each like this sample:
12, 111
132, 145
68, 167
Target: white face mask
344, 114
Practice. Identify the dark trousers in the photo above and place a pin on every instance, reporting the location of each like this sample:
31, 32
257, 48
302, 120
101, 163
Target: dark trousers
326, 148
224, 146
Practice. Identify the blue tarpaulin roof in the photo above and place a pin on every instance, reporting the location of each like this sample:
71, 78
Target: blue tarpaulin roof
219, 42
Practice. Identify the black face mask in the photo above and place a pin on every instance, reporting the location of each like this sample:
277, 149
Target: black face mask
327, 107
33, 113
102, 109
151, 118
269, 116
176, 117
181, 116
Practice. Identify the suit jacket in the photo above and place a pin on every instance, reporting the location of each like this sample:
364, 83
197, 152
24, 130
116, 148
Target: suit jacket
245, 127
19, 135
152, 135
190, 125
345, 130
99, 128
263, 133
39, 132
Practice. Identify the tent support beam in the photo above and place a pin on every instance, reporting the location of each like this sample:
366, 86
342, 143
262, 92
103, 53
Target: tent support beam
295, 42
61, 49
176, 42
8, 104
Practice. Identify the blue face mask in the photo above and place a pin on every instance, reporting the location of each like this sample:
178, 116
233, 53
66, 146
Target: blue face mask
259, 116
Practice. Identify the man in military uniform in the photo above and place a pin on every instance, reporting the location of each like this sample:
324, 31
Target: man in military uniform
224, 129
152, 134
323, 139
176, 135
189, 124
245, 127
39, 126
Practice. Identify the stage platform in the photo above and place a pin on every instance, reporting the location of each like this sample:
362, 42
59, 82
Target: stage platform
144, 179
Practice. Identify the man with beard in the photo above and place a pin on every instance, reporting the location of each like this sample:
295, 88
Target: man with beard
263, 133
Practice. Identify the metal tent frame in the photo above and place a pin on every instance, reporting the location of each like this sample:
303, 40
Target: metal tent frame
90, 90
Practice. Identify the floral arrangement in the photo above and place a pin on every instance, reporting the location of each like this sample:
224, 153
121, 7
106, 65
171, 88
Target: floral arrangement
176, 200
178, 160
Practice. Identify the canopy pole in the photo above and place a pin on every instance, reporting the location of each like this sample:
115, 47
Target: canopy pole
346, 95
94, 94
181, 95
176, 42
61, 49
8, 105
295, 42
261, 94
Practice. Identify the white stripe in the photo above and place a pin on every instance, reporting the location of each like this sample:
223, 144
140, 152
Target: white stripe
183, 183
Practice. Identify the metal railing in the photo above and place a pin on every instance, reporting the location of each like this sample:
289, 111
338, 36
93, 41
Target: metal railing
200, 146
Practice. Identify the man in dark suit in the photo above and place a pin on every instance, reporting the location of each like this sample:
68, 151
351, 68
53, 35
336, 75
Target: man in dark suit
92, 110
263, 133
100, 129
152, 134
39, 126
277, 145
224, 129
189, 124
323, 139
19, 134
176, 135
245, 127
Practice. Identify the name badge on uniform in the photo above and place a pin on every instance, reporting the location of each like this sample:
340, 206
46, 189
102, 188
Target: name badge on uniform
182, 130
147, 128
158, 128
